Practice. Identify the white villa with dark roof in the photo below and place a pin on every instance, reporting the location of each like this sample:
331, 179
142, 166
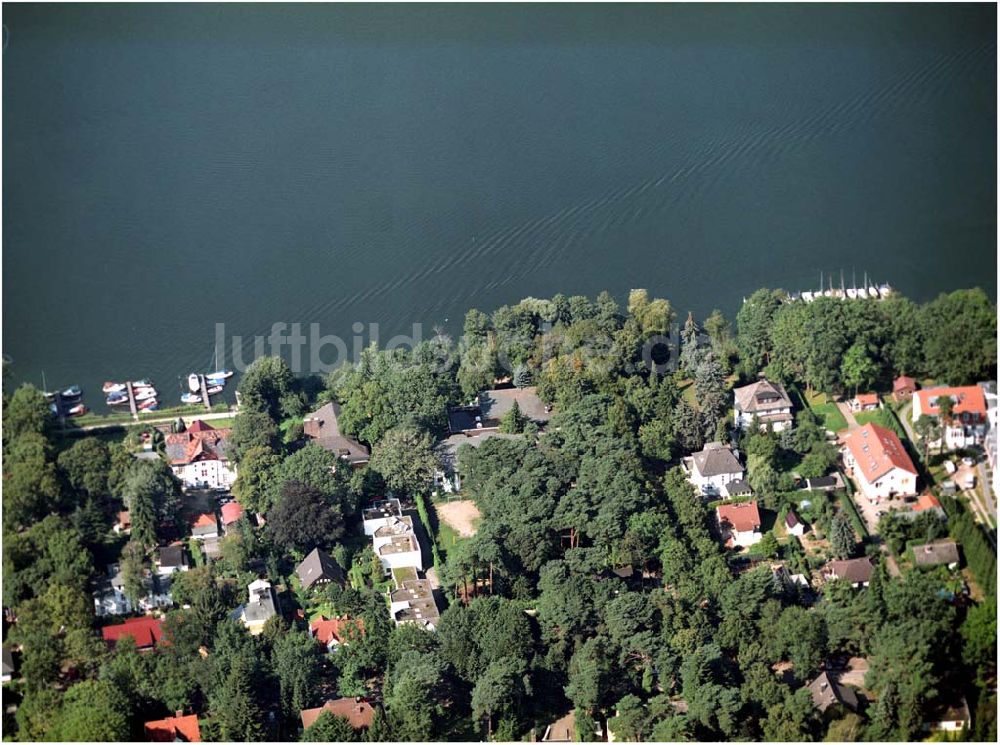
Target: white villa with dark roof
714, 469
764, 400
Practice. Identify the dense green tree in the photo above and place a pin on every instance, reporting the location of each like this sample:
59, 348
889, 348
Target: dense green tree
406, 460
960, 331
296, 664
252, 431
858, 369
255, 481
26, 412
303, 519
499, 691
86, 464
92, 711
264, 385
513, 421
330, 728
236, 706
753, 324
842, 540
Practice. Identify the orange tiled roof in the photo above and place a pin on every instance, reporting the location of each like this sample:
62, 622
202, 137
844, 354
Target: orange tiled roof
971, 400
867, 399
231, 512
205, 520
741, 517
903, 382
172, 729
198, 442
327, 629
877, 450
926, 502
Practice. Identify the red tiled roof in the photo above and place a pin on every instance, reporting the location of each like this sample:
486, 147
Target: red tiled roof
199, 426
231, 512
867, 399
877, 450
146, 631
741, 517
327, 629
926, 502
206, 519
172, 729
358, 713
903, 382
971, 400
199, 441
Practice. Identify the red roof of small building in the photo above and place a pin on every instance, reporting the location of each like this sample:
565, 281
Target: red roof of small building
145, 631
970, 400
199, 426
327, 629
173, 729
206, 519
877, 450
926, 502
867, 399
741, 517
231, 512
904, 382
358, 713
124, 519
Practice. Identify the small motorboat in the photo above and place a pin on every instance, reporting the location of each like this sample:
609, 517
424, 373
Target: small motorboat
215, 381
77, 410
144, 394
214, 389
117, 398
72, 392
191, 398
111, 387
144, 383
148, 405
194, 382
220, 374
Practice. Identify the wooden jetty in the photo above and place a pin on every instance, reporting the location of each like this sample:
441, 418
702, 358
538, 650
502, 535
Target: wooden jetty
131, 400
204, 392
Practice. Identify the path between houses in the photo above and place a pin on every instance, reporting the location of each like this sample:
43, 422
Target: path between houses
845, 409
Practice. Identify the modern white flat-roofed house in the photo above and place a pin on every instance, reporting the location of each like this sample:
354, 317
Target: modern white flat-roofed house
396, 545
876, 458
713, 468
967, 426
382, 512
764, 400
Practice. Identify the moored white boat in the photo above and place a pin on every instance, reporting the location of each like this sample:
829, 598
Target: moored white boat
220, 374
72, 392
116, 399
191, 398
214, 389
144, 394
112, 387
194, 383
148, 404
77, 410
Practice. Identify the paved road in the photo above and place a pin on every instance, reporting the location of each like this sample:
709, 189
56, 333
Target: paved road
188, 418
845, 409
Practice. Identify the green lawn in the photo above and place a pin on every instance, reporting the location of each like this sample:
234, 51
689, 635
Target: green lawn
833, 420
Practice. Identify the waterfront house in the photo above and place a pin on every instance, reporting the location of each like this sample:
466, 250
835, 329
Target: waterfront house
358, 712
876, 459
173, 729
739, 524
865, 402
322, 427
198, 457
319, 569
903, 388
146, 632
711, 469
856, 571
827, 691
261, 606
968, 422
764, 400
332, 632
490, 407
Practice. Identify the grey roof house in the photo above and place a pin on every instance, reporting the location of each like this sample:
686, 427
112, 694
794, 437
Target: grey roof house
826, 692
490, 407
319, 568
322, 428
936, 553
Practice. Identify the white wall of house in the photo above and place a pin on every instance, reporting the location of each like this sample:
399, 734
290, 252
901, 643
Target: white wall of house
711, 485
206, 474
398, 560
744, 421
746, 537
896, 482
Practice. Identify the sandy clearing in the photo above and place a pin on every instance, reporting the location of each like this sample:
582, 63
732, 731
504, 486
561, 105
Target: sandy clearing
460, 515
